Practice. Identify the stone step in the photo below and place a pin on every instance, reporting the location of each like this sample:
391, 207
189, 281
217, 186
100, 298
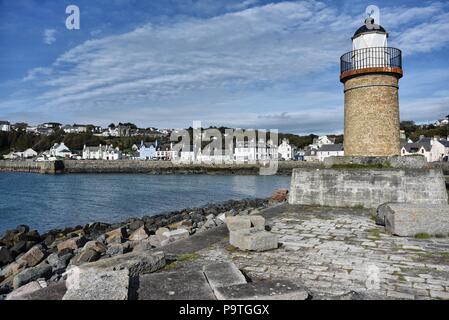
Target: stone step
222, 274
95, 284
263, 290
177, 285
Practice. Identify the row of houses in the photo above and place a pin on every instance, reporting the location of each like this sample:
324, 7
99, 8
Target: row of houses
432, 149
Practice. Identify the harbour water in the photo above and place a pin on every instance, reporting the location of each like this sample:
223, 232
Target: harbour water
46, 202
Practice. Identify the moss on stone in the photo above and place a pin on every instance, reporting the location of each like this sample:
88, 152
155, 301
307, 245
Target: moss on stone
422, 236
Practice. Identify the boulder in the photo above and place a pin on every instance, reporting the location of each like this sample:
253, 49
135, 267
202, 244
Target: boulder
139, 235
253, 239
92, 284
161, 231
87, 255
280, 195
11, 269
118, 248
49, 239
407, 219
71, 244
19, 248
5, 256
158, 240
176, 235
42, 270
19, 293
238, 222
33, 256
59, 263
116, 235
96, 246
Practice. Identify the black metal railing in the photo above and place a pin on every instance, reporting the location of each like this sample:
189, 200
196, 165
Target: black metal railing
375, 57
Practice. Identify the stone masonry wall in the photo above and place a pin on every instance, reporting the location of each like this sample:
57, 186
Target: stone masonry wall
367, 187
372, 116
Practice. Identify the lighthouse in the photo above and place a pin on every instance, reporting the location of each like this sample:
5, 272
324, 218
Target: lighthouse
370, 74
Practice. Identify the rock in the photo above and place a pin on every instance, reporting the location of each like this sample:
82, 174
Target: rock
158, 240
33, 256
253, 240
5, 256
11, 269
23, 228
238, 222
116, 235
407, 219
19, 248
53, 291
96, 246
49, 239
24, 290
222, 274
92, 284
257, 222
179, 285
136, 263
59, 263
139, 235
263, 290
136, 224
71, 244
176, 235
186, 224
118, 248
221, 217
161, 231
87, 255
42, 270
280, 195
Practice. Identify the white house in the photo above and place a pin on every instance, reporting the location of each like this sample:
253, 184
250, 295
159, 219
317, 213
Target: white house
433, 149
76, 128
321, 140
285, 150
107, 152
27, 154
329, 150
246, 151
5, 126
147, 150
60, 151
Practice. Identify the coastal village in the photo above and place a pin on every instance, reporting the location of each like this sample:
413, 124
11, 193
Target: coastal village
432, 148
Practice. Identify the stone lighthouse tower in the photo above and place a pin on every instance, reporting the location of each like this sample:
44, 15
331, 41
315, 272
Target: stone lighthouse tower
370, 74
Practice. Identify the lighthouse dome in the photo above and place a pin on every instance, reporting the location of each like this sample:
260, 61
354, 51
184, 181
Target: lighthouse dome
374, 28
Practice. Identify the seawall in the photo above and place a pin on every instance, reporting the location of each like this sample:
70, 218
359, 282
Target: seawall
367, 188
52, 167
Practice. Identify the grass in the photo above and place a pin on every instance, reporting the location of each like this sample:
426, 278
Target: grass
187, 257
374, 233
399, 275
383, 165
231, 249
422, 236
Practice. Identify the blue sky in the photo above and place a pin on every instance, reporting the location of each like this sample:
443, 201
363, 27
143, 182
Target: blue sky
252, 64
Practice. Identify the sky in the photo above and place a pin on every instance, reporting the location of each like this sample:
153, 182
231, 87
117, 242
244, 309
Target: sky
250, 64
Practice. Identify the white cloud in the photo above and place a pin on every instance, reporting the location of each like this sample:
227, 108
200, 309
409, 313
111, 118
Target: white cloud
49, 36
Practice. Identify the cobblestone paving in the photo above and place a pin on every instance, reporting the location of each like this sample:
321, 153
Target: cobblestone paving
335, 250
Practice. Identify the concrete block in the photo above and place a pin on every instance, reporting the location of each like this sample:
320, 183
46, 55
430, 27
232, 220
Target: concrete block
404, 219
263, 290
222, 274
136, 262
368, 188
253, 240
257, 222
178, 285
175, 235
94, 284
238, 222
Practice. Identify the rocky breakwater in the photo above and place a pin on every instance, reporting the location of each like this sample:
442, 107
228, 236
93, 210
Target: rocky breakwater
30, 261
